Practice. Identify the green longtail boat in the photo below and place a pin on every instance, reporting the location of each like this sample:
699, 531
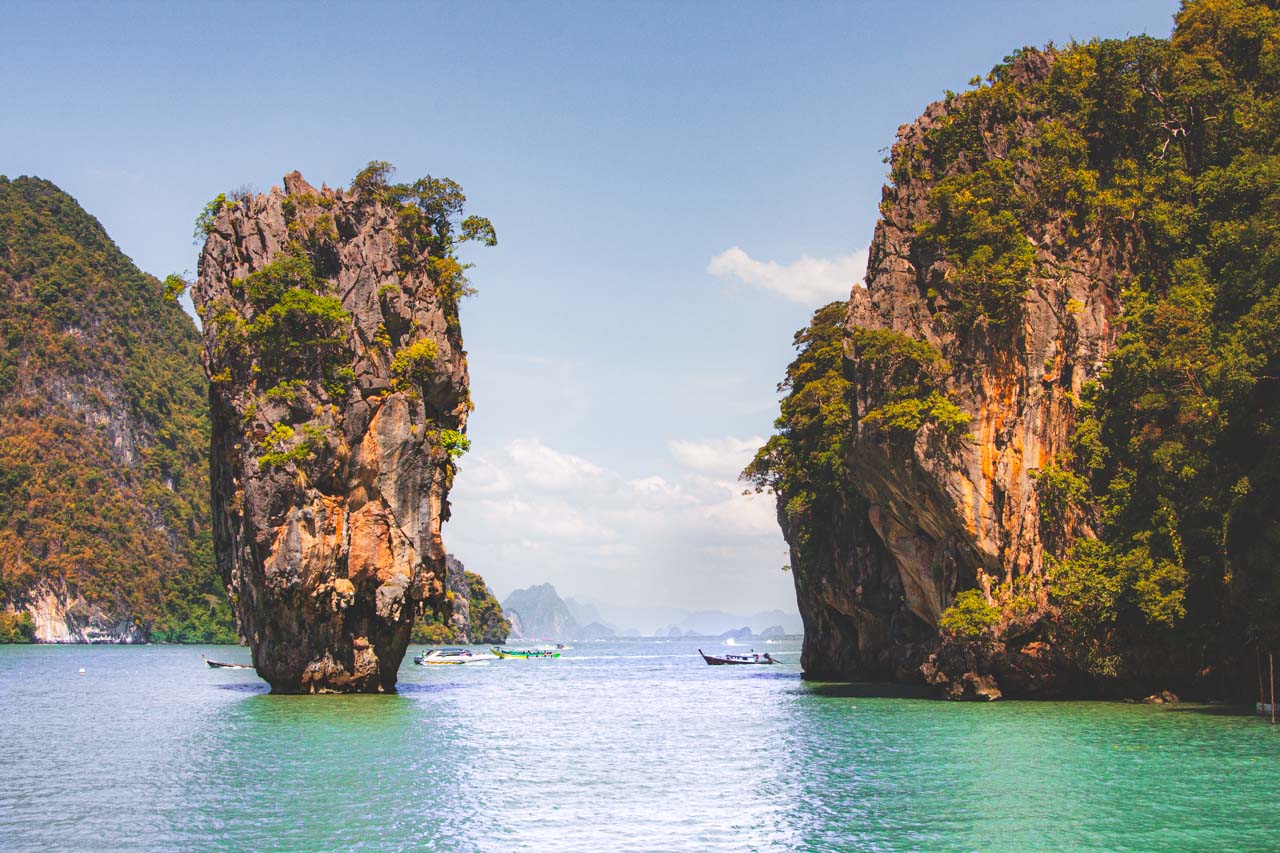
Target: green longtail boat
525, 653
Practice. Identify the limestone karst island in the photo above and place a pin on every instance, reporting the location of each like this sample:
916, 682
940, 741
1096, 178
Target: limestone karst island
985, 556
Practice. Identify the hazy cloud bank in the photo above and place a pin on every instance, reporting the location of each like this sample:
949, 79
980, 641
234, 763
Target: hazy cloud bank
528, 513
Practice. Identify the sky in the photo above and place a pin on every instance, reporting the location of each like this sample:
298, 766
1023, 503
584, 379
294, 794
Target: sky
675, 187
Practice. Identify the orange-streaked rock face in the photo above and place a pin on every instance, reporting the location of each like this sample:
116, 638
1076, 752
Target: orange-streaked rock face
329, 482
925, 517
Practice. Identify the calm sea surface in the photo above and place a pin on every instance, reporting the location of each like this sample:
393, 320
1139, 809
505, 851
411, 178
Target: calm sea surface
631, 745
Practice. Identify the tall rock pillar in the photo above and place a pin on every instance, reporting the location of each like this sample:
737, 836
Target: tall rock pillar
339, 396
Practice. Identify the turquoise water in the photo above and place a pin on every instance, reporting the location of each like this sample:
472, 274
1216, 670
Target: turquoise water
617, 746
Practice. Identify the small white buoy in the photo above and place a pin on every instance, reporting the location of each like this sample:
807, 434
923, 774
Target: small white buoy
82, 670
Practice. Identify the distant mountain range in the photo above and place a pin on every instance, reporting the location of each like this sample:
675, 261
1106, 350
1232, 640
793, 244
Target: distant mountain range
538, 612
712, 623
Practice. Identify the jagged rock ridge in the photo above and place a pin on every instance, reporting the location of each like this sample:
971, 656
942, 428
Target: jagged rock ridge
339, 396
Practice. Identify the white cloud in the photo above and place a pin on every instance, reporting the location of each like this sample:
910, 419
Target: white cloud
537, 463
724, 457
811, 281
749, 514
527, 513
542, 519
653, 485
485, 476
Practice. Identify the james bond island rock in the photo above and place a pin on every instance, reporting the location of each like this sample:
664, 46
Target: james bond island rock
1034, 455
104, 490
339, 397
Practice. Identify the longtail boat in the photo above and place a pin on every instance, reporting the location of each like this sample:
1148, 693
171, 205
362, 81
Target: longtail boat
526, 653
722, 660
214, 664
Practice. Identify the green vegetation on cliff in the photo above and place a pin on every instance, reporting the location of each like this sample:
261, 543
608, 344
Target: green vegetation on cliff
17, 627
431, 221
284, 332
104, 490
804, 463
1176, 145
1158, 524
909, 376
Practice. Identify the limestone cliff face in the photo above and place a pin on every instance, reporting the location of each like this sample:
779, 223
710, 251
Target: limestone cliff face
926, 515
337, 376
459, 600
63, 616
104, 493
475, 616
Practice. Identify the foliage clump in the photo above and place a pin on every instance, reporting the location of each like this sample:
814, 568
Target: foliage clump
279, 447
970, 616
804, 462
284, 327
431, 224
978, 230
806, 457
907, 376
453, 442
414, 365
206, 221
1058, 490
16, 627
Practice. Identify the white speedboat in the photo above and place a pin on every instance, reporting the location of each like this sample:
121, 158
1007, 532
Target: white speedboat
451, 656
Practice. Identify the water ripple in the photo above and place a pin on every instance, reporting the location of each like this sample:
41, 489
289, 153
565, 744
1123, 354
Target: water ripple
629, 746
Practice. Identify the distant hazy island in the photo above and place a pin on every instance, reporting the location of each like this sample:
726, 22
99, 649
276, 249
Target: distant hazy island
538, 612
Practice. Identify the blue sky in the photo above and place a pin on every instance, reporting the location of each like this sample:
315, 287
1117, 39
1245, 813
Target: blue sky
621, 376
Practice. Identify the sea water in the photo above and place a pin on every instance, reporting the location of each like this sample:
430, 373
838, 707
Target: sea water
628, 745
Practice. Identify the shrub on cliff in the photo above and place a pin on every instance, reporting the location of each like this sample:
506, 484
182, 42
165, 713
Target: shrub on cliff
969, 616
431, 221
293, 326
908, 377
414, 365
16, 627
